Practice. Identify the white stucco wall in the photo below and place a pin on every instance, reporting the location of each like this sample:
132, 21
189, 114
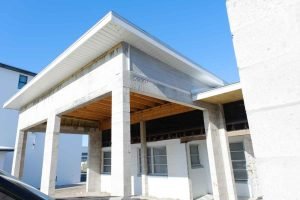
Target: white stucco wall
200, 177
267, 45
159, 186
69, 157
8, 118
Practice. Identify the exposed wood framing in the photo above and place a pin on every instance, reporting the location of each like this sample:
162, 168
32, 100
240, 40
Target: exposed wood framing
152, 113
238, 133
65, 129
192, 138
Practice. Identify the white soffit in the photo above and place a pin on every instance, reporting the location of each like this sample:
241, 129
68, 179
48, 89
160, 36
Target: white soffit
221, 95
108, 32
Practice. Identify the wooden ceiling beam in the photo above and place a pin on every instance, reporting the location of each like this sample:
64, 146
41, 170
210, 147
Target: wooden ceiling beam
165, 110
132, 95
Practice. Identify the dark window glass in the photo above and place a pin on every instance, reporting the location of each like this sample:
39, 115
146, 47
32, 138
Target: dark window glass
156, 161
195, 157
22, 81
238, 162
106, 162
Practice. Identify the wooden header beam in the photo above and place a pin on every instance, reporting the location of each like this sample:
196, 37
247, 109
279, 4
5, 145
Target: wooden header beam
164, 110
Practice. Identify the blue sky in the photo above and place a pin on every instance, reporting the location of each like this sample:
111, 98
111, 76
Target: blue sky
33, 33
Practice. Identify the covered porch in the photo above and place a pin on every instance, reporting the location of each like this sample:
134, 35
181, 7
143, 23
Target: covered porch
115, 81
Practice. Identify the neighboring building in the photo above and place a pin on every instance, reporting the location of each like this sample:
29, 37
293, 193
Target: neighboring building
266, 38
12, 79
158, 124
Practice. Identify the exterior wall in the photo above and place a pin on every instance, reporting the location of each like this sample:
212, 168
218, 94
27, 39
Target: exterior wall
242, 189
200, 177
69, 155
8, 118
267, 45
147, 66
159, 186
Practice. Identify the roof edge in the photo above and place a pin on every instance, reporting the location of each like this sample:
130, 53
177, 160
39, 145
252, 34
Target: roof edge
59, 58
110, 17
162, 45
217, 91
17, 69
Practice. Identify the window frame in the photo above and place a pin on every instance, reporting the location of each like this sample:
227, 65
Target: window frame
152, 162
239, 180
22, 83
195, 166
105, 165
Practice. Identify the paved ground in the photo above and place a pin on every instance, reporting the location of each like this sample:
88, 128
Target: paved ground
77, 192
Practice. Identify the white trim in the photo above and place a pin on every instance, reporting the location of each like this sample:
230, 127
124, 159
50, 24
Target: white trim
217, 91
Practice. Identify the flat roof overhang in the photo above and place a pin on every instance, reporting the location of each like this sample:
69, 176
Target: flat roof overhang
107, 33
222, 95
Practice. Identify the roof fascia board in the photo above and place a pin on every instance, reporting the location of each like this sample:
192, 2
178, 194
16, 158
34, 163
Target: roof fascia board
16, 69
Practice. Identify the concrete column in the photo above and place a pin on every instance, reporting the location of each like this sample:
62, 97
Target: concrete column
120, 138
251, 168
50, 155
19, 154
144, 165
93, 183
223, 184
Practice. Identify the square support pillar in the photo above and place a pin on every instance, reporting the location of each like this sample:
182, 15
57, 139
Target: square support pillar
48, 179
93, 183
19, 154
223, 184
144, 165
255, 191
121, 144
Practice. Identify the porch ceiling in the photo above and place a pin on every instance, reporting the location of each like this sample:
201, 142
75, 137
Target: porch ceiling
142, 108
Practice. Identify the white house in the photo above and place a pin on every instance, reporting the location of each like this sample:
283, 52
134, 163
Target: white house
158, 124
12, 79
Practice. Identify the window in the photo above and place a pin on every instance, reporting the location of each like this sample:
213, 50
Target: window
238, 162
156, 161
22, 81
195, 157
83, 166
106, 169
84, 157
